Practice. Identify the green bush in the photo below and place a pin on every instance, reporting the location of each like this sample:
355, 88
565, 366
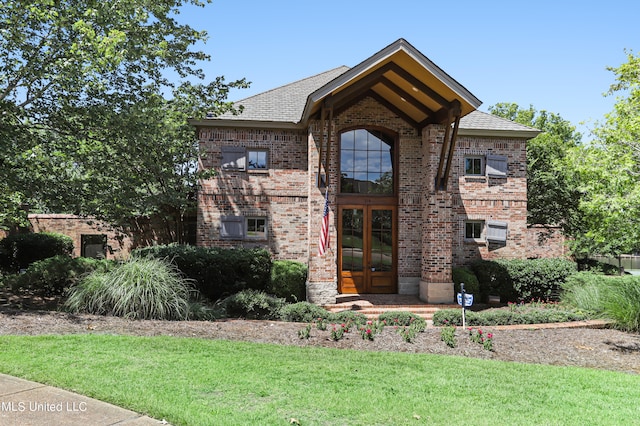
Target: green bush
353, 317
466, 276
303, 312
522, 280
253, 304
403, 318
491, 317
18, 251
217, 272
614, 297
142, 288
55, 275
289, 280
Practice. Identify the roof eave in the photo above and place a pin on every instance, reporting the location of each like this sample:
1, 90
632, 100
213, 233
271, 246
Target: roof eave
498, 133
251, 124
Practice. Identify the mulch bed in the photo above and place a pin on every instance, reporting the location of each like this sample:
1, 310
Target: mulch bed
602, 348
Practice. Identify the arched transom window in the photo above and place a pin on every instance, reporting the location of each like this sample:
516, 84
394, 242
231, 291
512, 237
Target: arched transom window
366, 162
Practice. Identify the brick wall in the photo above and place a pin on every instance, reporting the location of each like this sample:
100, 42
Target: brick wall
280, 193
76, 226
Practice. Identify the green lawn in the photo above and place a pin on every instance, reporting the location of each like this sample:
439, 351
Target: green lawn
206, 382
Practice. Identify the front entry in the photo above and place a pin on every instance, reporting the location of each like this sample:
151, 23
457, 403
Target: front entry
366, 249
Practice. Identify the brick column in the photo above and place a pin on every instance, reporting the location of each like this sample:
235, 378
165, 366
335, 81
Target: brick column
436, 284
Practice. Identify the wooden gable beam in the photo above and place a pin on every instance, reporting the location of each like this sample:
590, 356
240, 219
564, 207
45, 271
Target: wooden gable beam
448, 145
419, 85
406, 96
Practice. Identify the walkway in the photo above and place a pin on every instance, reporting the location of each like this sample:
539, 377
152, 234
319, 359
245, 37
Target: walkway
25, 403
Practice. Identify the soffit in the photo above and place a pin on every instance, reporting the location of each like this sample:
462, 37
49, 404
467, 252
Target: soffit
404, 80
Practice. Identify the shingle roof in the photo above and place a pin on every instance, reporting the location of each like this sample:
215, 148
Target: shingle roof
285, 103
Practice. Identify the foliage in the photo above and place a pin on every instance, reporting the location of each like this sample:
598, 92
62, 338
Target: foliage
216, 272
55, 275
608, 172
303, 312
142, 288
519, 280
617, 298
448, 336
545, 313
289, 280
466, 276
403, 318
349, 317
83, 116
18, 251
552, 196
253, 304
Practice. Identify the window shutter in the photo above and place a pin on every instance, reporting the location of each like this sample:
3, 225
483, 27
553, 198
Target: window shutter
232, 227
496, 231
496, 166
233, 158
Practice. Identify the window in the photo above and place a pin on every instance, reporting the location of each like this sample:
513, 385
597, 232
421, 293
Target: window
257, 159
366, 162
93, 246
497, 232
473, 166
497, 166
233, 158
256, 228
241, 228
473, 230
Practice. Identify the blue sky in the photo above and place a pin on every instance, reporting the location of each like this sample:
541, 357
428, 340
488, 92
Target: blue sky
549, 54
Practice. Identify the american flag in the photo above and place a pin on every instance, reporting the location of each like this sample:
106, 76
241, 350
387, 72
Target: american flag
323, 241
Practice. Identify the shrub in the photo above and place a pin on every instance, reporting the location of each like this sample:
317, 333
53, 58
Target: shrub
403, 318
55, 275
303, 312
289, 280
466, 276
217, 272
352, 317
142, 288
490, 317
18, 251
518, 280
617, 298
253, 304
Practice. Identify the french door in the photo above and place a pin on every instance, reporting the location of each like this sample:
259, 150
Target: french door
367, 249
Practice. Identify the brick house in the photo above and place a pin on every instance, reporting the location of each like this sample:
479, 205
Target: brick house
418, 180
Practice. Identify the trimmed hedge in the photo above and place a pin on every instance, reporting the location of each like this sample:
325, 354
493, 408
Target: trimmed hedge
289, 280
519, 280
303, 312
493, 317
217, 272
466, 276
53, 276
253, 304
18, 251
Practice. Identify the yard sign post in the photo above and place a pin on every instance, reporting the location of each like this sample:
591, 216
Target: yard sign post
464, 300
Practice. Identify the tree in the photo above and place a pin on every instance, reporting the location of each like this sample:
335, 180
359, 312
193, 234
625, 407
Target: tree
552, 197
83, 126
608, 171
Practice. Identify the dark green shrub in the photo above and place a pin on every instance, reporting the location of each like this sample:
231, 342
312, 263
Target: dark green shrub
466, 276
217, 272
522, 280
491, 317
142, 288
403, 318
303, 312
353, 317
55, 275
18, 251
289, 280
253, 304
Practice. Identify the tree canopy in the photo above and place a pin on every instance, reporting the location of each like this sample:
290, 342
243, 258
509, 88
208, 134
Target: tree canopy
552, 198
84, 125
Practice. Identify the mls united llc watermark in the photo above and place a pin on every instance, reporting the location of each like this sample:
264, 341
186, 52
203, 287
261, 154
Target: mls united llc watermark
42, 406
